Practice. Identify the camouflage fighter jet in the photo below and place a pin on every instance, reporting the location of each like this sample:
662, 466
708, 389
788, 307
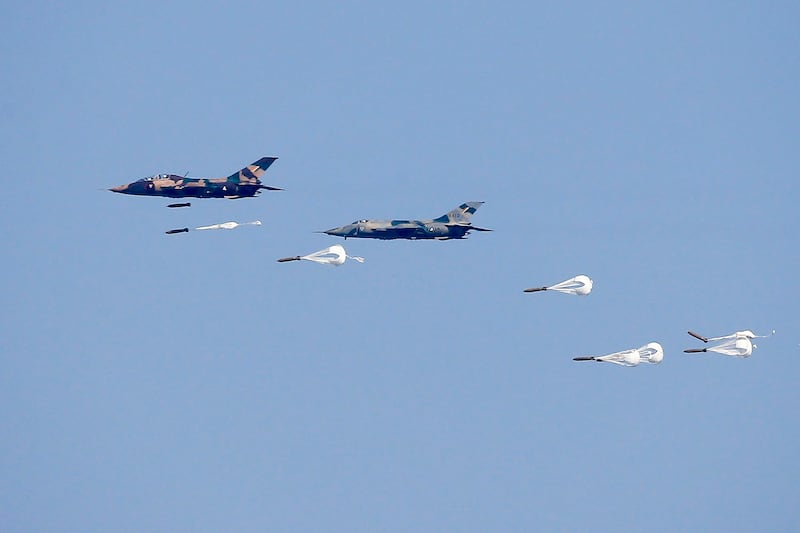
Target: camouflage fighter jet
453, 225
242, 184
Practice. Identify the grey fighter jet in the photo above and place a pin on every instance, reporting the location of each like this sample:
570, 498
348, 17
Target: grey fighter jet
453, 225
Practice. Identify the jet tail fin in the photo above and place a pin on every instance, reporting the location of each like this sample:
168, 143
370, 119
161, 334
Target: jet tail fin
253, 171
460, 214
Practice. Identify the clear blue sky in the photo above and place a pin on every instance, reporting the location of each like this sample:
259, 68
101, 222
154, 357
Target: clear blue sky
191, 383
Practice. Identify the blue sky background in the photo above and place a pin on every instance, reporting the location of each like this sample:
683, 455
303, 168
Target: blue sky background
191, 383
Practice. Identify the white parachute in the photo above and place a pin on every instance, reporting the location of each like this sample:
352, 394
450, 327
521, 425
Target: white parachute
229, 225
651, 352
737, 347
737, 344
224, 225
333, 255
746, 334
580, 285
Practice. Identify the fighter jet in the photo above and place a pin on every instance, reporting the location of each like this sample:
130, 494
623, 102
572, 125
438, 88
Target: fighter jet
453, 225
242, 184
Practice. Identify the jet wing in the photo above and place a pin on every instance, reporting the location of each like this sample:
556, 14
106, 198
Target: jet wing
402, 232
468, 227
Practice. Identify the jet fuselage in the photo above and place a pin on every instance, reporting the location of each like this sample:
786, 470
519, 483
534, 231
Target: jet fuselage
173, 186
242, 184
452, 225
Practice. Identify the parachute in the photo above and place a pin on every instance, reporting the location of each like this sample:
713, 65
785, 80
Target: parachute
651, 353
737, 344
224, 225
580, 285
333, 255
229, 225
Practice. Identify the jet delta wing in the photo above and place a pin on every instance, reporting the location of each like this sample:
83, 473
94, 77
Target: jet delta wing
453, 225
242, 184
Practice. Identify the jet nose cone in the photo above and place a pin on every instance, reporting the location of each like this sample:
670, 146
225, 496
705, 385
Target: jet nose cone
118, 188
342, 231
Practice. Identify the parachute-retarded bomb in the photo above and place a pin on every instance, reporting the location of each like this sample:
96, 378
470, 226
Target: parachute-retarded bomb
737, 344
224, 225
651, 352
334, 255
580, 285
